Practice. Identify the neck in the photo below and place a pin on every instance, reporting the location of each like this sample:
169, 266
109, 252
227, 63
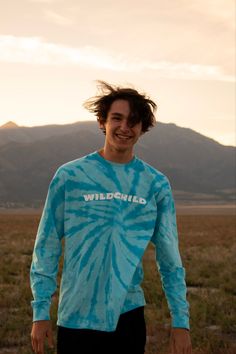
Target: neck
116, 156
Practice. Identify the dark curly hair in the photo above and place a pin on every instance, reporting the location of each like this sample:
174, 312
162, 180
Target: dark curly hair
142, 107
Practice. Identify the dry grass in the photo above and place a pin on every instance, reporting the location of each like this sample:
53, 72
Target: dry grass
208, 248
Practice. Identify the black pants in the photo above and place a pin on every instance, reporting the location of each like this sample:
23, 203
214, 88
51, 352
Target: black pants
128, 338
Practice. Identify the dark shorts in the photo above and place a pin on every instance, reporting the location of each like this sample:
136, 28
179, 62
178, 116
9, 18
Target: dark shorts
128, 338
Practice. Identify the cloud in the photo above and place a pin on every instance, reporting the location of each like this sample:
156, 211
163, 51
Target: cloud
218, 11
52, 16
175, 70
35, 51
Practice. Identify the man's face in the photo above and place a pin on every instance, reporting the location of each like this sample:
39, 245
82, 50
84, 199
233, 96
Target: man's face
120, 135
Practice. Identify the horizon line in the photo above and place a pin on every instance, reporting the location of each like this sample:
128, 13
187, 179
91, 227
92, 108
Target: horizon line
16, 126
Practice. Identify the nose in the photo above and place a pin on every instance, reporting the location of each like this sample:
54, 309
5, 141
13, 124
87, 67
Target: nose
124, 126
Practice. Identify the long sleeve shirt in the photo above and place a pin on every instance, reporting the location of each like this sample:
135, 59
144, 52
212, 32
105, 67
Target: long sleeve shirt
107, 213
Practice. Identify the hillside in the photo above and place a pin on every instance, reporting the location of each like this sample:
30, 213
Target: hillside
199, 168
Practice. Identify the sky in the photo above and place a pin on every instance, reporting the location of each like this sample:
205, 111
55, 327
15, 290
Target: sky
181, 53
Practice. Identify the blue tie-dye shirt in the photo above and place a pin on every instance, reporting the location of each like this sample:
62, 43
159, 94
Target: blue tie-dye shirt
107, 213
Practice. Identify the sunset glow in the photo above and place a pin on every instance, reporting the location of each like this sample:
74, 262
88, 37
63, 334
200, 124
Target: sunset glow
182, 54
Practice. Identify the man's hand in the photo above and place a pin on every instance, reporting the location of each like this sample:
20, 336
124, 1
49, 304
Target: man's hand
40, 331
180, 342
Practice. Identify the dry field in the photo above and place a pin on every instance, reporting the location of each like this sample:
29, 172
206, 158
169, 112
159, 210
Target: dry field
208, 248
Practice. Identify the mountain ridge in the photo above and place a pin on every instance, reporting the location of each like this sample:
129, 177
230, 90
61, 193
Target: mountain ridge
9, 125
196, 165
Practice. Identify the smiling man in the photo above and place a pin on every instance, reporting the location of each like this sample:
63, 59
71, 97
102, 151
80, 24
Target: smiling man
121, 132
108, 206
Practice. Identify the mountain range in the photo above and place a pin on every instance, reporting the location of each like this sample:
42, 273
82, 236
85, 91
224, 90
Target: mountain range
199, 168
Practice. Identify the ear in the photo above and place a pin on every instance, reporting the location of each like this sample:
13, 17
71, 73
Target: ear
101, 123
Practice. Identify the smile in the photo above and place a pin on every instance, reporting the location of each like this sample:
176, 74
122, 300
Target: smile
123, 137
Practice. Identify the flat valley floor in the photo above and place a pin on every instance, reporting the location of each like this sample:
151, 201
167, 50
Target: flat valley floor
207, 241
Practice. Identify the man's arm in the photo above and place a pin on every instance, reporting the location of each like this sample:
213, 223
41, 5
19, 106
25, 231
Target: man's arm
46, 254
165, 239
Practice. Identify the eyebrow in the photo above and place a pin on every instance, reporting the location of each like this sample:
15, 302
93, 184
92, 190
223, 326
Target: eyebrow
117, 114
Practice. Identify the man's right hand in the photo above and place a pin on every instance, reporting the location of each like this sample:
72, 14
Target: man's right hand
40, 331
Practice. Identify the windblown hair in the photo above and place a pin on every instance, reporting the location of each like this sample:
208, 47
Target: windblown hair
142, 108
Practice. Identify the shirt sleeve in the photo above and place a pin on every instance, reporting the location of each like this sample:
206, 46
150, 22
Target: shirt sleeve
47, 250
165, 239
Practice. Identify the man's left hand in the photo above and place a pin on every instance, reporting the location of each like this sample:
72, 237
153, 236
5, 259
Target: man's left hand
180, 341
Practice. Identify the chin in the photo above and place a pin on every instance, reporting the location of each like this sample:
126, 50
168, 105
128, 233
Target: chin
124, 149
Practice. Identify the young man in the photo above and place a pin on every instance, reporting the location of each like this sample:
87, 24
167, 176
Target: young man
108, 206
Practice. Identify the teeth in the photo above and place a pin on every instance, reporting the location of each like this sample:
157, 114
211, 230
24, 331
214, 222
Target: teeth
123, 137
